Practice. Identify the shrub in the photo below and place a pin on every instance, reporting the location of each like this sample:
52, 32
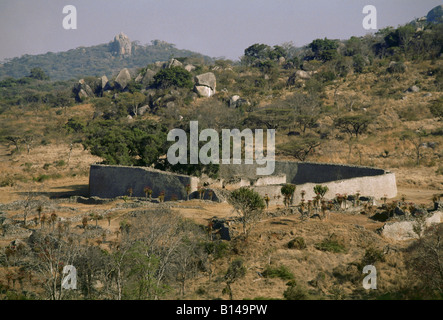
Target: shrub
297, 243
373, 255
295, 292
281, 272
331, 244
396, 67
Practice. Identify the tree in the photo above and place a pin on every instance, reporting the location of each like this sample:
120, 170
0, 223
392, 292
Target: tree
321, 190
138, 143
173, 77
288, 193
52, 253
425, 264
353, 124
248, 204
324, 49
257, 51
236, 271
301, 148
416, 138
38, 74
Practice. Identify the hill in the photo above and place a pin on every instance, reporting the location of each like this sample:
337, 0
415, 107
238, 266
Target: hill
104, 59
375, 100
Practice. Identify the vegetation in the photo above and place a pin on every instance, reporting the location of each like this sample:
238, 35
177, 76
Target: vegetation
248, 204
340, 101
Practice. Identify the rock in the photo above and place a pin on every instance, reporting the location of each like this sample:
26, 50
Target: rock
139, 78
236, 102
189, 67
304, 75
404, 230
220, 227
174, 63
123, 78
121, 45
148, 77
435, 15
142, 110
204, 91
104, 82
83, 90
205, 84
170, 105
413, 89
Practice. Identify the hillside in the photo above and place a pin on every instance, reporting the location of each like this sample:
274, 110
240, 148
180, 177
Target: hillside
375, 101
99, 60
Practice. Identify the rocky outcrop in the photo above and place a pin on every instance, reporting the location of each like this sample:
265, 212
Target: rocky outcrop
205, 84
173, 63
104, 83
142, 110
435, 15
404, 230
123, 78
236, 101
82, 90
121, 45
189, 67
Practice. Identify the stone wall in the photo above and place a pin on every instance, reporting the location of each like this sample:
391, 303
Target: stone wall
376, 186
113, 181
301, 172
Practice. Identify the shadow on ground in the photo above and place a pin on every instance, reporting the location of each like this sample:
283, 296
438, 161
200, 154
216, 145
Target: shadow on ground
67, 192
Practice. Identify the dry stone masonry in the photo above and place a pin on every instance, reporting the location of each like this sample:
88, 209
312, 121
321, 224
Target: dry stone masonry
113, 181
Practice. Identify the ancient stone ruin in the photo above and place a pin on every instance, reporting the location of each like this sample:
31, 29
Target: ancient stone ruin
113, 181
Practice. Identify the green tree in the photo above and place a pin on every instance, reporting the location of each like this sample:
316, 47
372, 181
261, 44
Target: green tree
138, 143
173, 77
321, 190
324, 49
38, 74
287, 191
248, 204
257, 51
353, 124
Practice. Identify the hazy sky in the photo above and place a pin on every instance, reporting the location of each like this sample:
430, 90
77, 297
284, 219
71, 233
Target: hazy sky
218, 28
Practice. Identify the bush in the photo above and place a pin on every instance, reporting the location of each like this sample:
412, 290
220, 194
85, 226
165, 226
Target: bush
373, 255
331, 244
173, 77
396, 67
295, 292
436, 108
281, 272
297, 243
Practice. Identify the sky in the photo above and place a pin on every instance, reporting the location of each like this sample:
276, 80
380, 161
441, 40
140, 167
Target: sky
217, 28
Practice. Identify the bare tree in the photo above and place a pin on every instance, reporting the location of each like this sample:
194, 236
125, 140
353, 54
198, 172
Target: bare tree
424, 260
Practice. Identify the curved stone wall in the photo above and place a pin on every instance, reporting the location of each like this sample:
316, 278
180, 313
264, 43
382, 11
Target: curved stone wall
112, 181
